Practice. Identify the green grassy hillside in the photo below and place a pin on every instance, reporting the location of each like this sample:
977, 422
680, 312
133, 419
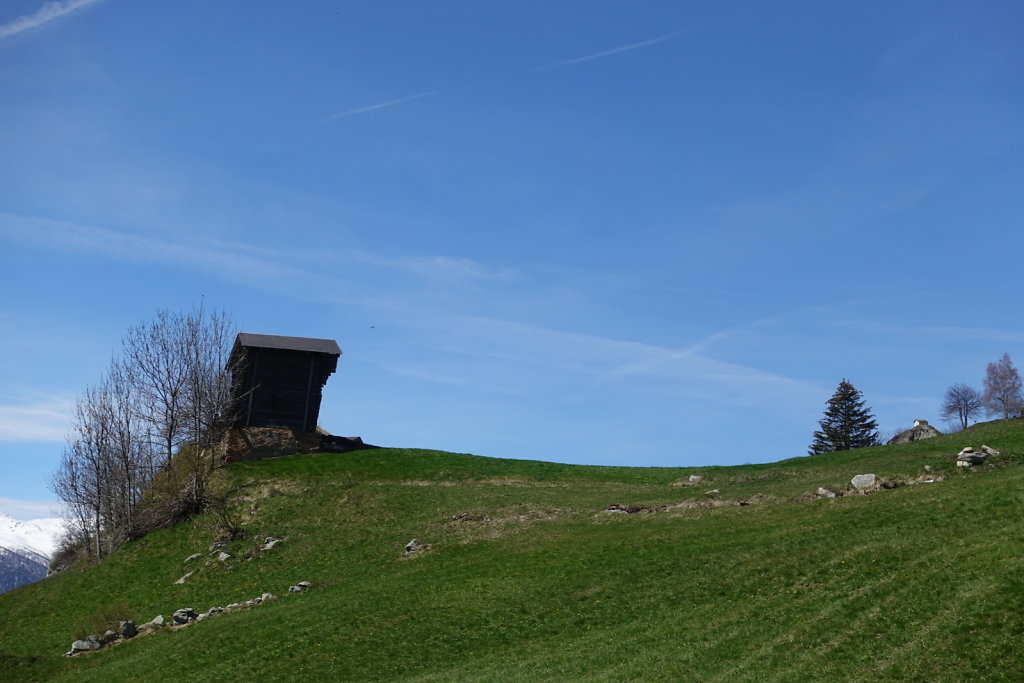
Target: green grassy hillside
528, 577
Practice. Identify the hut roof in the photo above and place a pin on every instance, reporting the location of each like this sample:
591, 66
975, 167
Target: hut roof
273, 341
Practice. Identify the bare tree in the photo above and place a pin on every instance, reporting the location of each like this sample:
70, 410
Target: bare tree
151, 429
961, 404
1002, 388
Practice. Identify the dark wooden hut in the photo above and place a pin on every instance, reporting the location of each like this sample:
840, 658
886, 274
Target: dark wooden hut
278, 381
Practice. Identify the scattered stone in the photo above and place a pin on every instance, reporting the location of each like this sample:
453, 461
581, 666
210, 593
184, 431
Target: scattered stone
696, 478
158, 620
184, 615
270, 542
826, 493
223, 556
89, 644
988, 450
182, 579
108, 637
268, 596
863, 481
234, 605
128, 628
215, 610
712, 492
633, 509
968, 456
413, 546
202, 615
927, 468
216, 545
192, 557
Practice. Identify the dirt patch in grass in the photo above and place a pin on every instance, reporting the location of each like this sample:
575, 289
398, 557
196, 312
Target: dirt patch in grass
472, 526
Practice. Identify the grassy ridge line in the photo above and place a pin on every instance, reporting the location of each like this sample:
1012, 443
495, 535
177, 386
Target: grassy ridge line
885, 586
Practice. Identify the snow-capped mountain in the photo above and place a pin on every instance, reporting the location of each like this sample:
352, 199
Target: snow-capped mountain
25, 549
20, 567
38, 535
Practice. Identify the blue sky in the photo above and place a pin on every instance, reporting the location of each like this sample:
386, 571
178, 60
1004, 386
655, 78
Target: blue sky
643, 233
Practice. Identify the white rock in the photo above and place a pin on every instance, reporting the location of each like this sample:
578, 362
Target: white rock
825, 493
863, 481
182, 579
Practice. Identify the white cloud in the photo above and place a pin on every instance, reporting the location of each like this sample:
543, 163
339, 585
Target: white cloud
43, 419
27, 510
50, 11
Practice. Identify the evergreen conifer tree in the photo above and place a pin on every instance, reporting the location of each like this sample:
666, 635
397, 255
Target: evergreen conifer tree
847, 423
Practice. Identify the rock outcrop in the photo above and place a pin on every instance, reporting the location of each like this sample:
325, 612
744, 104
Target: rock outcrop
920, 430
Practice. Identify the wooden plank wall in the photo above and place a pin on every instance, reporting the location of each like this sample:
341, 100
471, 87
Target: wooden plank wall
282, 388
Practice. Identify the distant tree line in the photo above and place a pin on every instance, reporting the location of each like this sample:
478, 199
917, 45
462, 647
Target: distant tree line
143, 442
848, 423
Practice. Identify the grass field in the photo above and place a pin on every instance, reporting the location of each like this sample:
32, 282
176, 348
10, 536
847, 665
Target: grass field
528, 577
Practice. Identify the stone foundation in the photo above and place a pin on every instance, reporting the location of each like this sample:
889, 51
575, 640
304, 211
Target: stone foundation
255, 443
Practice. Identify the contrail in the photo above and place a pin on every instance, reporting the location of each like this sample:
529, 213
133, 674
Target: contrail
45, 14
380, 105
613, 51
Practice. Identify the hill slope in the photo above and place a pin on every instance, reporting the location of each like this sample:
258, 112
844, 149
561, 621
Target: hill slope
527, 576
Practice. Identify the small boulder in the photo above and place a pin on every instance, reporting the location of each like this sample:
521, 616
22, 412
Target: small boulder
268, 596
155, 622
184, 615
863, 481
988, 450
215, 610
270, 542
90, 644
128, 628
825, 493
234, 605
696, 478
182, 579
108, 637
968, 456
413, 546
223, 556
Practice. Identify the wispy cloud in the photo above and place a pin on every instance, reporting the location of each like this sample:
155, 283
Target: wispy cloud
968, 333
50, 11
586, 360
222, 259
445, 269
380, 105
255, 266
613, 51
42, 419
27, 510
